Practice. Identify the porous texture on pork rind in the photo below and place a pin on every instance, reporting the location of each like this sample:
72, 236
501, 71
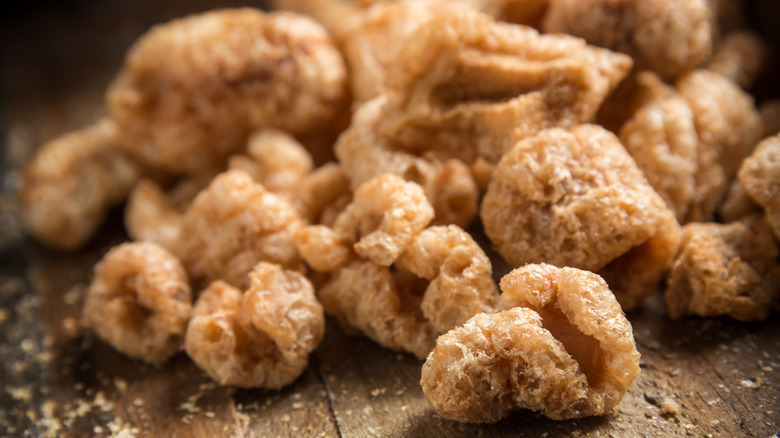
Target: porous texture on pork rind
149, 216
662, 139
260, 338
584, 204
191, 90
234, 224
463, 80
139, 301
724, 269
740, 56
760, 174
72, 182
384, 216
571, 354
728, 125
666, 36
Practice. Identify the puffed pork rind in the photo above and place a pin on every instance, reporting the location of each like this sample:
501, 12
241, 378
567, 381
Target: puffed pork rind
741, 57
760, 175
192, 90
667, 37
576, 198
260, 338
73, 181
139, 301
234, 224
724, 269
150, 217
563, 348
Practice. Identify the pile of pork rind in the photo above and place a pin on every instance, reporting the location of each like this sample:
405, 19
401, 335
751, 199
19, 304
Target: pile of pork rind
279, 167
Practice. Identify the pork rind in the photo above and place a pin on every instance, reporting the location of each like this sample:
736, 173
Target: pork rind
441, 280
724, 269
149, 216
760, 174
668, 37
728, 126
567, 351
462, 81
192, 90
584, 204
72, 182
739, 56
139, 301
261, 338
737, 204
770, 117
234, 224
384, 216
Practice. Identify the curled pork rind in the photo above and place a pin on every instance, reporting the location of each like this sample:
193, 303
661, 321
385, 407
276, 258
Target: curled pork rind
261, 338
728, 126
584, 204
384, 216
463, 80
739, 56
72, 182
566, 351
234, 224
441, 280
760, 174
724, 269
139, 301
191, 90
667, 37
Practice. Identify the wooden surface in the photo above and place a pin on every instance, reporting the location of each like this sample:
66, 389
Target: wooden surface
700, 377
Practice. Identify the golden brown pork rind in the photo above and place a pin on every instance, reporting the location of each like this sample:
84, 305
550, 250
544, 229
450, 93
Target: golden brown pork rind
192, 90
139, 301
261, 338
563, 348
737, 204
584, 204
728, 126
668, 37
72, 182
150, 217
234, 224
740, 56
760, 175
724, 269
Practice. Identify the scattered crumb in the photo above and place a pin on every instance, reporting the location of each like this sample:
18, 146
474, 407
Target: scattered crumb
378, 391
297, 405
209, 414
20, 394
752, 383
121, 384
669, 406
138, 402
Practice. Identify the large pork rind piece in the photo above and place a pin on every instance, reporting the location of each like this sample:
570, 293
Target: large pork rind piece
441, 280
260, 338
192, 90
234, 224
72, 182
576, 198
563, 348
139, 301
724, 269
665, 36
760, 175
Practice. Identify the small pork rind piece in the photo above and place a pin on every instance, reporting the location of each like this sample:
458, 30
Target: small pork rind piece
72, 182
760, 175
261, 338
739, 56
584, 204
728, 125
139, 301
234, 224
668, 37
463, 80
192, 90
724, 269
149, 216
563, 348
384, 216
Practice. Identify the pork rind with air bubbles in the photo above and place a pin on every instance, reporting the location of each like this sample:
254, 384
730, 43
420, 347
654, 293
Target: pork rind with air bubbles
665, 36
724, 269
72, 182
584, 204
563, 348
760, 175
441, 280
192, 90
234, 224
139, 301
260, 338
